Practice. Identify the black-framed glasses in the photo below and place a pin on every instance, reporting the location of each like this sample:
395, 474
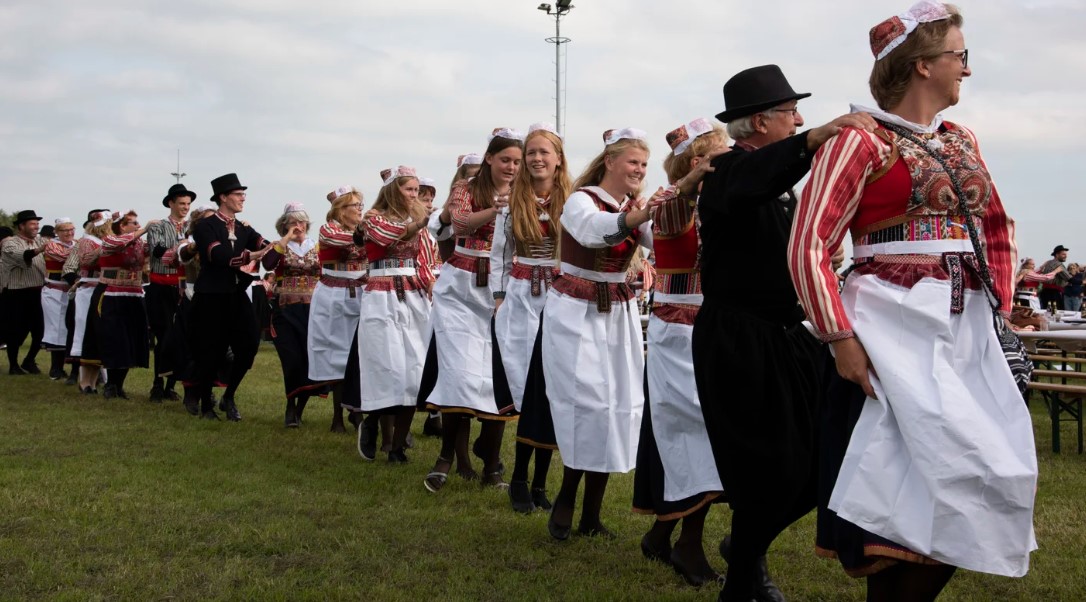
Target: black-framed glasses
962, 55
793, 111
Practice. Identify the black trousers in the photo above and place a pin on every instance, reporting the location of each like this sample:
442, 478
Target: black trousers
219, 321
162, 302
23, 316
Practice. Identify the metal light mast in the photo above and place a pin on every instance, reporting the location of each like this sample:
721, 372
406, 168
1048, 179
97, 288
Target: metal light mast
561, 9
178, 174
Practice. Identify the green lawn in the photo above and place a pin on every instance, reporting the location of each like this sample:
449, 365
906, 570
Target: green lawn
129, 500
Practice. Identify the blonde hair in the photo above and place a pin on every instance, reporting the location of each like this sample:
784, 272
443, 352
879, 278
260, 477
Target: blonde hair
100, 231
890, 77
593, 174
391, 202
462, 174
522, 202
196, 217
340, 203
677, 166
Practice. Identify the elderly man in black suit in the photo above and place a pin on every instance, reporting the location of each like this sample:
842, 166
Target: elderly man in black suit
758, 370
221, 313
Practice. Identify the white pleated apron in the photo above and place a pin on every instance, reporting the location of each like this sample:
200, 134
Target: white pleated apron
54, 304
82, 306
333, 324
677, 423
515, 327
594, 367
460, 318
943, 462
392, 351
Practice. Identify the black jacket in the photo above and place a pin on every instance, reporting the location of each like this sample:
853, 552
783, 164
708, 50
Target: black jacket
222, 258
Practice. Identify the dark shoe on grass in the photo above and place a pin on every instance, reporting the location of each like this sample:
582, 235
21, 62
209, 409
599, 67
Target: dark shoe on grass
209, 415
109, 391
16, 371
227, 405
56, 374
30, 367
397, 456
520, 497
432, 426
155, 396
367, 440
539, 498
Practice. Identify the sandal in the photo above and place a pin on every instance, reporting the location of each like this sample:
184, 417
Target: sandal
435, 480
475, 450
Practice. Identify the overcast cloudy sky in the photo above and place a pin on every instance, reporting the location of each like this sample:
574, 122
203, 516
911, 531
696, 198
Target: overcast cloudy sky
299, 96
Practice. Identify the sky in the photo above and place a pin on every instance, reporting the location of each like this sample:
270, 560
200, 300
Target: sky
299, 97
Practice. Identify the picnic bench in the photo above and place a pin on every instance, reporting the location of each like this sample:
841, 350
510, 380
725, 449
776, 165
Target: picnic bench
1061, 380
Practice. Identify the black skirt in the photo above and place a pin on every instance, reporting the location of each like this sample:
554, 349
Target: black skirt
536, 427
503, 397
429, 375
290, 325
759, 378
648, 492
116, 335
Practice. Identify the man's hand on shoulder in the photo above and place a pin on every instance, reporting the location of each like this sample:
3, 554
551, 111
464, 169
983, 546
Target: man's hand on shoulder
819, 135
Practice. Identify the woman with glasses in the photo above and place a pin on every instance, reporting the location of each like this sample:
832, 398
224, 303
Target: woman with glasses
54, 296
927, 449
337, 298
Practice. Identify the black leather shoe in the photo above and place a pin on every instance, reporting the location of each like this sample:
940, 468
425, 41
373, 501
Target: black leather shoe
155, 396
109, 391
227, 405
597, 530
520, 497
72, 380
16, 371
121, 393
209, 415
171, 395
89, 391
559, 532
539, 498
653, 553
30, 368
693, 577
397, 456
56, 374
192, 406
766, 590
432, 426
367, 440
290, 419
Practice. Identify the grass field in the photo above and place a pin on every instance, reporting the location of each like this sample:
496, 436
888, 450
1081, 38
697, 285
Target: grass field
128, 500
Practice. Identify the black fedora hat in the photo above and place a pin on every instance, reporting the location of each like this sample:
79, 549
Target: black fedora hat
1059, 249
25, 216
175, 191
224, 184
90, 215
756, 89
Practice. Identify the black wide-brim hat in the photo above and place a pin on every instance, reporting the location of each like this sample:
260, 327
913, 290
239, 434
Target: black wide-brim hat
25, 216
177, 190
1056, 251
224, 184
756, 89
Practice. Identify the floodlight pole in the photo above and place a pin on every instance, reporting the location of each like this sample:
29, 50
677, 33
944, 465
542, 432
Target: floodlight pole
178, 174
561, 9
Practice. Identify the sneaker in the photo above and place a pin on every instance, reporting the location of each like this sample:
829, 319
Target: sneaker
192, 406
16, 370
171, 395
367, 441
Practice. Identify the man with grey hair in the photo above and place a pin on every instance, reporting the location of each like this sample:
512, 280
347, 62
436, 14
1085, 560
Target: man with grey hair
758, 370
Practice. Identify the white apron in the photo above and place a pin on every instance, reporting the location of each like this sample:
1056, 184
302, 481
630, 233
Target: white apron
82, 306
333, 324
677, 423
515, 327
54, 304
594, 367
393, 350
460, 320
943, 462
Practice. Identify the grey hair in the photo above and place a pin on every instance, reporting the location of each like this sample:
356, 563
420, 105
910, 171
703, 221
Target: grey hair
742, 127
293, 216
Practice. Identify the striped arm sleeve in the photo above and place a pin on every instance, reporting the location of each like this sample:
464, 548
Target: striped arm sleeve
825, 210
673, 217
115, 243
331, 235
382, 231
56, 252
460, 208
425, 259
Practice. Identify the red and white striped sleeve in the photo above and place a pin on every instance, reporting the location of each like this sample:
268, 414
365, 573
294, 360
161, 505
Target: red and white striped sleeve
1035, 276
997, 232
331, 235
114, 243
382, 231
829, 201
460, 208
673, 217
425, 261
56, 252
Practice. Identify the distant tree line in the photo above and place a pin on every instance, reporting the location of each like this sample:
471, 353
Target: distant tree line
7, 219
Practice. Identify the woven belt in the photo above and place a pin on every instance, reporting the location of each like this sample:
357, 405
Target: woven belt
955, 262
348, 283
119, 274
541, 276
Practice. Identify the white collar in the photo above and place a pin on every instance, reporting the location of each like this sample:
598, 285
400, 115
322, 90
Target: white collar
93, 238
304, 247
931, 128
605, 196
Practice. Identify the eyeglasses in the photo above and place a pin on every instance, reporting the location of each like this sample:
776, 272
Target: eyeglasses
353, 205
794, 111
963, 55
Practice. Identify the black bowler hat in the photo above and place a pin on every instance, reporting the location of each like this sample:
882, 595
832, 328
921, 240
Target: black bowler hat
25, 216
225, 184
47, 232
1056, 251
90, 215
754, 90
175, 191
